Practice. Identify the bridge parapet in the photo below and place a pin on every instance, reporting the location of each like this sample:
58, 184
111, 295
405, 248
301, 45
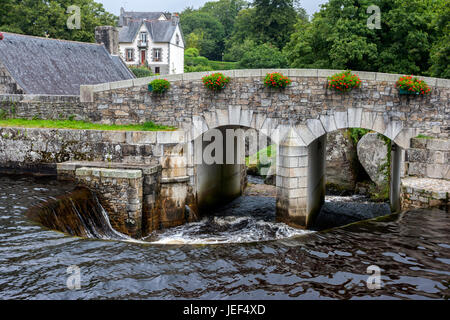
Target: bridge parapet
87, 92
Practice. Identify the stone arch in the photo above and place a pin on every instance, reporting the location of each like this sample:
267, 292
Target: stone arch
379, 122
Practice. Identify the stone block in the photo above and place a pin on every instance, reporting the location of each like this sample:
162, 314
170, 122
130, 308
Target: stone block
141, 137
438, 144
310, 73
354, 117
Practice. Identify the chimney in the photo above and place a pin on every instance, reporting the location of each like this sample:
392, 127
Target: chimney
175, 19
109, 37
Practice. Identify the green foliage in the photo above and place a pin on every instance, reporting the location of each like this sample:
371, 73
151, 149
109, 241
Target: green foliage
276, 80
263, 56
3, 114
81, 125
216, 81
160, 86
141, 72
264, 158
237, 49
207, 31
273, 21
413, 38
49, 18
192, 52
197, 64
344, 81
357, 133
412, 84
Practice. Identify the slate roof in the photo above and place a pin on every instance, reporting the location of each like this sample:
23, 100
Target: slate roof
58, 67
160, 31
139, 16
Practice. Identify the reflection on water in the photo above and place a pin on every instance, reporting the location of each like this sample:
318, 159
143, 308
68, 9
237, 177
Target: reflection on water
412, 249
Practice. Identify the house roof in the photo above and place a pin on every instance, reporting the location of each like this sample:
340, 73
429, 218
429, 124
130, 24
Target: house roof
58, 67
138, 16
160, 31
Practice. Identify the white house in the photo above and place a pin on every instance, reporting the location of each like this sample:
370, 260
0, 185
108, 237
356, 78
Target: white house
153, 39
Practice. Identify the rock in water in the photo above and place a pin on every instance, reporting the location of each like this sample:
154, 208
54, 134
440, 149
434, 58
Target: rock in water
373, 155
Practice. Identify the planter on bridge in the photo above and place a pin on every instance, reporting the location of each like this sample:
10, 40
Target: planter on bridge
344, 81
276, 80
409, 85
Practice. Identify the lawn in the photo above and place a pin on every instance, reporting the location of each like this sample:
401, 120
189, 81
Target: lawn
82, 125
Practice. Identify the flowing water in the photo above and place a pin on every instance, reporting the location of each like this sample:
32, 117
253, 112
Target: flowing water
238, 252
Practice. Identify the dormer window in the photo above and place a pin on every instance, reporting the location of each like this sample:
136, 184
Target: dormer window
143, 37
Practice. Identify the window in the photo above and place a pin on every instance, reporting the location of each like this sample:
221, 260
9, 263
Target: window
157, 57
177, 40
143, 37
129, 54
157, 70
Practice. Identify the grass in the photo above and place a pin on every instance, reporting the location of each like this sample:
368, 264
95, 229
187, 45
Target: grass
422, 136
82, 125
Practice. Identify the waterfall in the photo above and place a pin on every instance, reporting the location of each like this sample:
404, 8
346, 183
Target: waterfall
78, 213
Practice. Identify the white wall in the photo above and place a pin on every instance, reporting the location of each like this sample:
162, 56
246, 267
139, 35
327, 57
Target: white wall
176, 53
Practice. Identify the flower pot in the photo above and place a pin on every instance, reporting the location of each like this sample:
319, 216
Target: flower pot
407, 92
150, 88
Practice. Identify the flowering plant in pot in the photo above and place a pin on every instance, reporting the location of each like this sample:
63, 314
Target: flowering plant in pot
344, 81
159, 86
276, 80
410, 85
216, 81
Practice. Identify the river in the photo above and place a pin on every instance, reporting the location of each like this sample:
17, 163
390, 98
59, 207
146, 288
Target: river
239, 252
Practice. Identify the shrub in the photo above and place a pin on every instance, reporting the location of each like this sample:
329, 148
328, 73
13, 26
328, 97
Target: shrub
160, 85
412, 85
276, 80
141, 72
192, 52
216, 81
344, 81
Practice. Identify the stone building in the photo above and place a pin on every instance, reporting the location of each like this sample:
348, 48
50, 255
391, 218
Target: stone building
152, 38
33, 65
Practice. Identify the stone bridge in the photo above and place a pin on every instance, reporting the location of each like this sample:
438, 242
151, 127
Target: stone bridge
297, 119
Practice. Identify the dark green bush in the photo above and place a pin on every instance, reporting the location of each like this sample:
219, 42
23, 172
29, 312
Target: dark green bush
160, 85
141, 72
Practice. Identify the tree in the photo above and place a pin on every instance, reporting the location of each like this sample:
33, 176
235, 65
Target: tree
237, 50
263, 56
210, 33
273, 21
225, 11
440, 51
338, 37
49, 18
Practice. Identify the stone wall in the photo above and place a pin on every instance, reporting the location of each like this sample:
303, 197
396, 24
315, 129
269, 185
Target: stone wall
7, 84
246, 99
130, 193
41, 150
42, 107
425, 193
429, 158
